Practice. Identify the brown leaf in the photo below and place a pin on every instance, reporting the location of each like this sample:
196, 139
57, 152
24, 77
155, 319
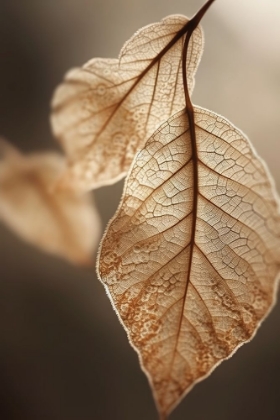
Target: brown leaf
191, 258
104, 112
60, 222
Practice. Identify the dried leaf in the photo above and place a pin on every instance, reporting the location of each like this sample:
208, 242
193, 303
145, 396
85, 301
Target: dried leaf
104, 112
191, 258
60, 222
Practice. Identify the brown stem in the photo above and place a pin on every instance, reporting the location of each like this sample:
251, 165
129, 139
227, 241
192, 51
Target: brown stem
193, 24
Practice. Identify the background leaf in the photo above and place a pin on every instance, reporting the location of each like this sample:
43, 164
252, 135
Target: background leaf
191, 267
60, 222
106, 110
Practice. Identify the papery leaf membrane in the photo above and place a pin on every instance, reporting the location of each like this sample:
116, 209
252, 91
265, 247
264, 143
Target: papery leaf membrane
106, 110
187, 303
59, 222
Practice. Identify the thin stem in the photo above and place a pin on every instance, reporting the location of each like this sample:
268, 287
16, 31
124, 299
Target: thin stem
199, 15
193, 23
191, 26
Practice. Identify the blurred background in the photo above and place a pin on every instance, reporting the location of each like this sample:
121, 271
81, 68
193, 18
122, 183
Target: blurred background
63, 353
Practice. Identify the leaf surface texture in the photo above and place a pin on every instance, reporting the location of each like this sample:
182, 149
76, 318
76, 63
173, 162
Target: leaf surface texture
105, 111
191, 267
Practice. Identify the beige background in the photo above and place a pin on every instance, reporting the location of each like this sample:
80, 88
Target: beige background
63, 354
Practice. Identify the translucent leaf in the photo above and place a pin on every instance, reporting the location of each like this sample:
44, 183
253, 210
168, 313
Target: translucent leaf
104, 112
191, 258
60, 222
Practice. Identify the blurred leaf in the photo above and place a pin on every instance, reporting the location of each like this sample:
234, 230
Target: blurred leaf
104, 112
57, 221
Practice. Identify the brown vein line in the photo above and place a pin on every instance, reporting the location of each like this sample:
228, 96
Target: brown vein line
122, 83
156, 272
149, 109
77, 96
82, 121
237, 183
176, 81
152, 156
224, 280
153, 94
195, 329
239, 306
173, 41
223, 140
232, 249
162, 340
228, 144
159, 186
156, 234
237, 221
192, 46
177, 381
115, 85
239, 172
234, 252
204, 304
168, 309
187, 319
190, 350
143, 44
